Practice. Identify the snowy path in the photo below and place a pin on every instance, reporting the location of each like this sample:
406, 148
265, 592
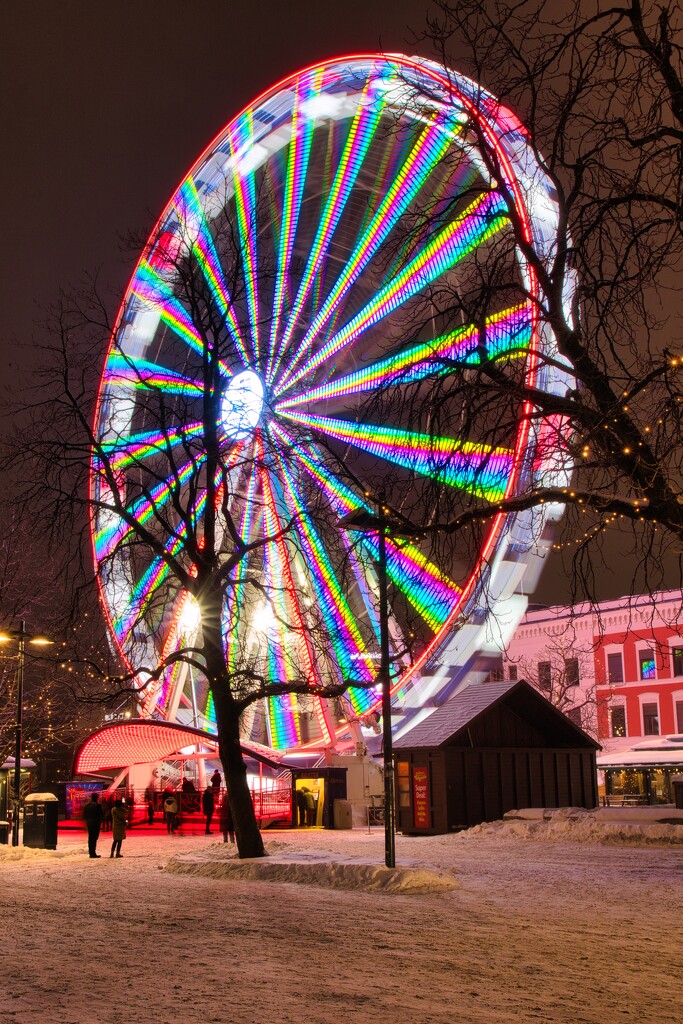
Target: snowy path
539, 931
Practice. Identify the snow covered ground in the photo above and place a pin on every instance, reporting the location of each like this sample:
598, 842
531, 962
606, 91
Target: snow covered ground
562, 920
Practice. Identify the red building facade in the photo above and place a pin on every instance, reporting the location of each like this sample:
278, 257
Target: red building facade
617, 670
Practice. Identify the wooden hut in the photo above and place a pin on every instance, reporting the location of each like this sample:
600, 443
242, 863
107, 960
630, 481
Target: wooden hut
491, 748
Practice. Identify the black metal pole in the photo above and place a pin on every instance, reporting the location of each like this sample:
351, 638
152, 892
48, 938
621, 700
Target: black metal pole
18, 731
389, 806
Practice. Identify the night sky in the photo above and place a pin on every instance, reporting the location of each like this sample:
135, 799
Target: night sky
106, 106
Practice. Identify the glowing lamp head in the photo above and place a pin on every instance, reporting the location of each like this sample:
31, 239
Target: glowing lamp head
242, 405
190, 616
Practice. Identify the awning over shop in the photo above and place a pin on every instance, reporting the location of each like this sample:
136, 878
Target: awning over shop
657, 752
143, 741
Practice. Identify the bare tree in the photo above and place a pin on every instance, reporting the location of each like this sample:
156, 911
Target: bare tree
170, 472
600, 92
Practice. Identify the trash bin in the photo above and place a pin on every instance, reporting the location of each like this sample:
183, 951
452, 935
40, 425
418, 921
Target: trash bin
343, 816
677, 783
4, 832
40, 821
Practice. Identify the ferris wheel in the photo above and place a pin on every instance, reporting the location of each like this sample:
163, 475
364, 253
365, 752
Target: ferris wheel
330, 268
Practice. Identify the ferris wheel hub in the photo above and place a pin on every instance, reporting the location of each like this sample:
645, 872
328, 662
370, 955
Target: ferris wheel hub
242, 405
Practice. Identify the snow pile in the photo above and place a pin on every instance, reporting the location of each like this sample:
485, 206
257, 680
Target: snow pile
305, 868
576, 825
28, 853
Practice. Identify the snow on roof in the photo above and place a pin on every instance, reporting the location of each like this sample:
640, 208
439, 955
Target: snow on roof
455, 714
656, 751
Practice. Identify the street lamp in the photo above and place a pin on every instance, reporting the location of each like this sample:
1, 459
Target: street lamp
383, 522
21, 636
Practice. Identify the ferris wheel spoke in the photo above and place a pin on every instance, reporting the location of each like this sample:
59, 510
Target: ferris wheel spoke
476, 468
302, 129
424, 585
133, 449
155, 574
345, 638
506, 335
160, 692
483, 218
189, 209
150, 289
134, 372
399, 193
361, 133
235, 597
293, 648
241, 143
108, 538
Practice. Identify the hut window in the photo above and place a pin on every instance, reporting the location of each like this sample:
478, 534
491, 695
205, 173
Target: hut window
650, 720
618, 717
512, 672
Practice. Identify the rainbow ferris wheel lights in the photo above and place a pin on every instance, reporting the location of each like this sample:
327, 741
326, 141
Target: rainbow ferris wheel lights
272, 357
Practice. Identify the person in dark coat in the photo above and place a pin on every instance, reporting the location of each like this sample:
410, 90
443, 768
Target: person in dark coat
301, 807
208, 805
227, 826
216, 780
93, 815
118, 827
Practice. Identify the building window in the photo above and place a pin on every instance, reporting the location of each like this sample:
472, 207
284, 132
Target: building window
677, 658
650, 720
496, 672
544, 676
679, 717
618, 720
646, 660
574, 716
615, 667
512, 672
571, 671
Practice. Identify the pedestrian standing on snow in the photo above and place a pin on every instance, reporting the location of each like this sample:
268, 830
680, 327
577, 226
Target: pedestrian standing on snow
227, 826
170, 810
310, 807
301, 806
93, 815
208, 805
118, 827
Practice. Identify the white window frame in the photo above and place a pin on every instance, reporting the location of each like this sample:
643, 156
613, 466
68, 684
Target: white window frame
614, 649
676, 698
674, 641
619, 702
646, 650
650, 698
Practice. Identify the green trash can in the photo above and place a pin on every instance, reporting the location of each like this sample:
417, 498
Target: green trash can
40, 821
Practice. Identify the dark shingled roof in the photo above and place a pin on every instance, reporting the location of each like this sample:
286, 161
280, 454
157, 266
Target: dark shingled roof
456, 713
468, 704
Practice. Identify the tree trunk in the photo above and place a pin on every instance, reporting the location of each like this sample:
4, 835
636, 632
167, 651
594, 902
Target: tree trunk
249, 841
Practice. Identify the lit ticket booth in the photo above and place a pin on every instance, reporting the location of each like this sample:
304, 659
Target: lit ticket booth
314, 791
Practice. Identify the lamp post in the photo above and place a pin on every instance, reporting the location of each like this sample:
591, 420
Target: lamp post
21, 636
364, 521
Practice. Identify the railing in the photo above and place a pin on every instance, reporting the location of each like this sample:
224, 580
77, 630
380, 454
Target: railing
271, 805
